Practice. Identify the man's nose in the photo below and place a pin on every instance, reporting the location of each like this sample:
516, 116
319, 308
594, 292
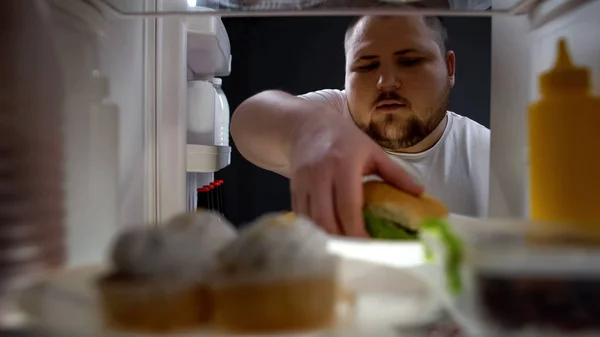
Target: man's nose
388, 80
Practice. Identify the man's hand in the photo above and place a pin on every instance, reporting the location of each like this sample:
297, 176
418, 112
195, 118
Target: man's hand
329, 157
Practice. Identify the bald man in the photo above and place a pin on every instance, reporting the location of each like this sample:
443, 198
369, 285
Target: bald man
399, 74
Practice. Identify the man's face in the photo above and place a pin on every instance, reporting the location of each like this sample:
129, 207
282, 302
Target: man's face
397, 80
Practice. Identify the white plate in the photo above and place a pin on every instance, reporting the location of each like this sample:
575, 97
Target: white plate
383, 252
388, 299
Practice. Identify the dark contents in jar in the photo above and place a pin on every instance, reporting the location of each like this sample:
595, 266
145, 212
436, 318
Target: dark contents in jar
568, 305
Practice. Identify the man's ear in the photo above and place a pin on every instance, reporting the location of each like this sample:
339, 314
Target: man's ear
451, 67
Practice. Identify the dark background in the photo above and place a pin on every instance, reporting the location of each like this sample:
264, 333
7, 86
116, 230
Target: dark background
303, 54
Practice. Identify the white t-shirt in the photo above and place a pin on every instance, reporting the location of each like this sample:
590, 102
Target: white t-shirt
455, 170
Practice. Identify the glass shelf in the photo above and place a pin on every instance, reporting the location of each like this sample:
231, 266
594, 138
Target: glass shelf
228, 8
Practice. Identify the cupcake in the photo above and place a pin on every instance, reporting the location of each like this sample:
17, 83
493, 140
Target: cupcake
276, 276
158, 281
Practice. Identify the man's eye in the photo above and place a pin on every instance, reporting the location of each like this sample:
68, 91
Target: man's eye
409, 62
367, 67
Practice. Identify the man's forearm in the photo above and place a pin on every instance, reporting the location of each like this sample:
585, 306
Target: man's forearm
264, 125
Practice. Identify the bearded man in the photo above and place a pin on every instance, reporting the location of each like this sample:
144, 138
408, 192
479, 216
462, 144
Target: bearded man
399, 74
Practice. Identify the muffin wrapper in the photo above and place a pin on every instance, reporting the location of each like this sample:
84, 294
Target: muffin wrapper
154, 306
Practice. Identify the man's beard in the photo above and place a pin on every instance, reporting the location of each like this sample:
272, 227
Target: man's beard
409, 131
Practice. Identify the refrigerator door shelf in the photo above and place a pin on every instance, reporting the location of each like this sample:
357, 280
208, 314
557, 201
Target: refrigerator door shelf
547, 11
207, 158
208, 48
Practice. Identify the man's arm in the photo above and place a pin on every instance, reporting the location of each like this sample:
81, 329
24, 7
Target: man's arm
325, 156
264, 125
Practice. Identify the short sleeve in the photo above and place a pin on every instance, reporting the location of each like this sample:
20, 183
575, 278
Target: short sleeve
336, 99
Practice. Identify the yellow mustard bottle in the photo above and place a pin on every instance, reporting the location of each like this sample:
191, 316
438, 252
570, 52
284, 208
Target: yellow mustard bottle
564, 146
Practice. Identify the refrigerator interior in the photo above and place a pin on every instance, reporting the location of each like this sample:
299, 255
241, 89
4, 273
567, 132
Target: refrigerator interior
133, 58
141, 49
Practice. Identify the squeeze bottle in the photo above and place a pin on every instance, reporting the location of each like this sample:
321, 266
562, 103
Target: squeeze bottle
564, 146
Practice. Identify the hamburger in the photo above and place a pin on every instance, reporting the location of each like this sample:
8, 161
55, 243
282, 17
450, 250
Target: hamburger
392, 214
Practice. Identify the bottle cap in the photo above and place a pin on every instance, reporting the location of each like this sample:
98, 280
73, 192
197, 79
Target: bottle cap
203, 189
219, 182
564, 76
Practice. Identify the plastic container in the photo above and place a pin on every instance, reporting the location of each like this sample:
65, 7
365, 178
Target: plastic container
202, 103
511, 286
221, 115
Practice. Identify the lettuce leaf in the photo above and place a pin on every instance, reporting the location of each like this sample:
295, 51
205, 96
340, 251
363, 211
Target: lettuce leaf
379, 228
454, 252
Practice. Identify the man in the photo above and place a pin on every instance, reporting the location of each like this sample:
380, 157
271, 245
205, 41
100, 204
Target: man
398, 80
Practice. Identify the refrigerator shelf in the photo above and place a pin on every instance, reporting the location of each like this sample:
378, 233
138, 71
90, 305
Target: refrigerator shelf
539, 12
207, 158
383, 301
320, 7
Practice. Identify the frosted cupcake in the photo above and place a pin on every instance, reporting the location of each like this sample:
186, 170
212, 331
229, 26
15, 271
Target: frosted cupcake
159, 278
277, 276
